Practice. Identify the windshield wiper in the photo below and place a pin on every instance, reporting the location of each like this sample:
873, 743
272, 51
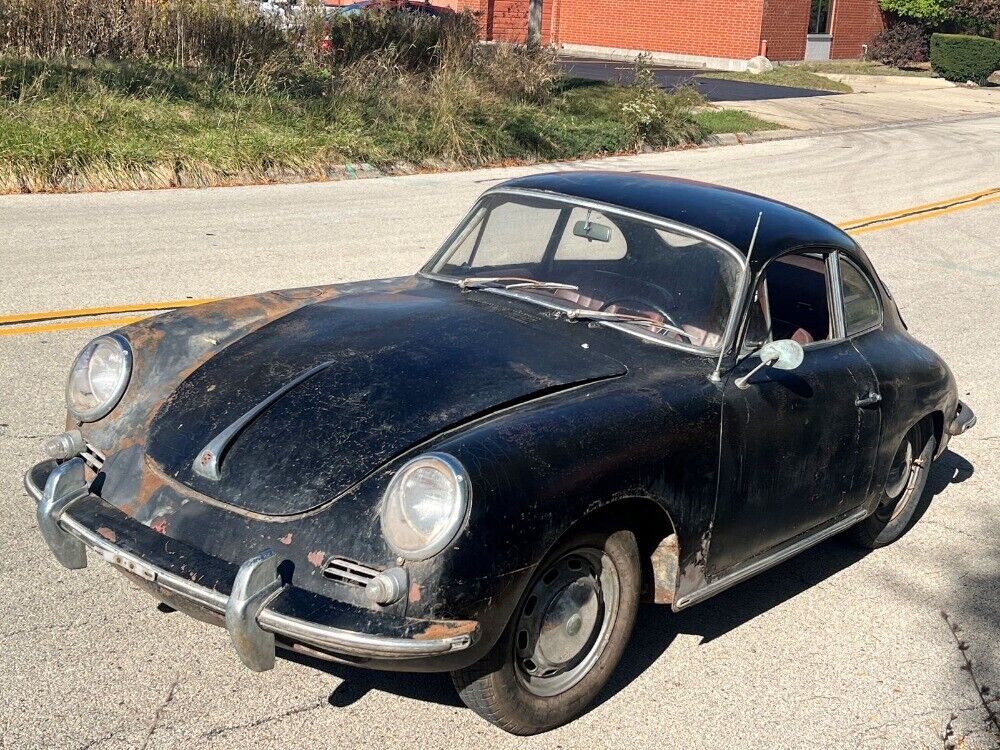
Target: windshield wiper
511, 282
616, 317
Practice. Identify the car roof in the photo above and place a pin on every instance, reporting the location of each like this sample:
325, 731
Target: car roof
730, 215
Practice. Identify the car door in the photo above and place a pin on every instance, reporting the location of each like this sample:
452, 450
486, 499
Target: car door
797, 447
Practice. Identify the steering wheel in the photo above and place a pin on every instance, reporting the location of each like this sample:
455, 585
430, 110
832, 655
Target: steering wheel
638, 305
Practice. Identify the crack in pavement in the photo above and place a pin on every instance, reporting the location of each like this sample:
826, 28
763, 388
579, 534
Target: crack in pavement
217, 731
154, 724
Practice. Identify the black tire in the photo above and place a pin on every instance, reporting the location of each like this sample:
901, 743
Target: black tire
897, 515
495, 687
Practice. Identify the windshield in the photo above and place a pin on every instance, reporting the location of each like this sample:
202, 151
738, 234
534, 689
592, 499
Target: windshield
629, 272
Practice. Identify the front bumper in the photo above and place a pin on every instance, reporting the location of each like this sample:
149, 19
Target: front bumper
252, 600
965, 420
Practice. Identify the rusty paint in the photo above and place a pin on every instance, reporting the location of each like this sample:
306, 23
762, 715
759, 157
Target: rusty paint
446, 629
108, 534
286, 539
159, 525
316, 557
665, 562
414, 594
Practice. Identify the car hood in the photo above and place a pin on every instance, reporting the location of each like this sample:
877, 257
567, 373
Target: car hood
392, 371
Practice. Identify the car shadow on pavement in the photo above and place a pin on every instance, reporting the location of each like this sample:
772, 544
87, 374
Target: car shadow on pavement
656, 626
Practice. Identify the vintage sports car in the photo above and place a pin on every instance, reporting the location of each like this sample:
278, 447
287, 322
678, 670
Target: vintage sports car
602, 389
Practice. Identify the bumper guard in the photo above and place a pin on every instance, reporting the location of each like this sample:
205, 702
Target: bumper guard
251, 624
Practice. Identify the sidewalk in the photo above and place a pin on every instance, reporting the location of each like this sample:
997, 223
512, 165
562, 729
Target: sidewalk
877, 100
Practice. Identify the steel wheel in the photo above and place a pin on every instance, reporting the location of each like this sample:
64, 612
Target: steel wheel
564, 637
565, 622
902, 478
903, 497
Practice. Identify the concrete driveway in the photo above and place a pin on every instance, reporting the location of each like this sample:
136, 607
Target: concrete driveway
833, 649
713, 89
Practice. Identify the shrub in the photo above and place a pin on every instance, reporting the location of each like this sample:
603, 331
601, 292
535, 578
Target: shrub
419, 42
964, 58
900, 44
986, 12
655, 117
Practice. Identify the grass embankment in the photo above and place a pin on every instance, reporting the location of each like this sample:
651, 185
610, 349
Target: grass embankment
785, 75
158, 93
862, 68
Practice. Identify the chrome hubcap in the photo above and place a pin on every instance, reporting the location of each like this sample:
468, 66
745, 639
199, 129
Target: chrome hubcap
566, 621
899, 474
903, 475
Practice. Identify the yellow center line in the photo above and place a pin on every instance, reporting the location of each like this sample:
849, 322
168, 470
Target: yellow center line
88, 311
70, 325
927, 208
855, 227
909, 219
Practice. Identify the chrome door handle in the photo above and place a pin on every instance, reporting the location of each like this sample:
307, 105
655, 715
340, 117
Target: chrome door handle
870, 399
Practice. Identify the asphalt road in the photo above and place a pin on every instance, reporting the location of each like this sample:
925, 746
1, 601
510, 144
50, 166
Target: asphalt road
713, 89
833, 649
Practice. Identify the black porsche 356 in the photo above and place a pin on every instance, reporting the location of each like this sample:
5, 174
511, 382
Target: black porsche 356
603, 389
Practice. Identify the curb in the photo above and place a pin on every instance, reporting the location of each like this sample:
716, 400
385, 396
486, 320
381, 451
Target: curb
784, 134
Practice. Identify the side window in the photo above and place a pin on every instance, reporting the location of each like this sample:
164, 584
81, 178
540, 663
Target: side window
792, 302
577, 245
861, 305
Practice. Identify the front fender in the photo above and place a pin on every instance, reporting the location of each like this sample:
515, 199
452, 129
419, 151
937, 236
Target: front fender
540, 470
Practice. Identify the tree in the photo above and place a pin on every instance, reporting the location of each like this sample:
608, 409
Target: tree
985, 13
927, 11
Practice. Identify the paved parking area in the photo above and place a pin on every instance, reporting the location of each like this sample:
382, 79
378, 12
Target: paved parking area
833, 649
713, 89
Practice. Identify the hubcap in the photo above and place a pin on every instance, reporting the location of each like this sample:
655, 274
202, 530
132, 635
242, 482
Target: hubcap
566, 621
899, 474
902, 475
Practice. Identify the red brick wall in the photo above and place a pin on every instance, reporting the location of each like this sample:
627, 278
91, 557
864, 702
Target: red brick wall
785, 25
716, 28
855, 22
713, 28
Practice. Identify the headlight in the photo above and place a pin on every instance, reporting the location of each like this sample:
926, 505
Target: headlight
99, 377
425, 505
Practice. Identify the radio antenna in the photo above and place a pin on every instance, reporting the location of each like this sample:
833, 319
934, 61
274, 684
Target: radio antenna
715, 377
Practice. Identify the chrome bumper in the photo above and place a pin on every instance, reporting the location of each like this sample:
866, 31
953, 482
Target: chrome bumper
252, 625
965, 420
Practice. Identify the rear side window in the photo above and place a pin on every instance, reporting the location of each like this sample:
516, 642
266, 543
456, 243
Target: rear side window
861, 305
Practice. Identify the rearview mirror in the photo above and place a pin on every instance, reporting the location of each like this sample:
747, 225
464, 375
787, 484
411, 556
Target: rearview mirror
781, 355
592, 231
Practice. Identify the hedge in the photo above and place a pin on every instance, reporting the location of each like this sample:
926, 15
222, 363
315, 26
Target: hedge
958, 57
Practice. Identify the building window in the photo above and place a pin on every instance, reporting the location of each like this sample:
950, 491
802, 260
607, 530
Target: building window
819, 16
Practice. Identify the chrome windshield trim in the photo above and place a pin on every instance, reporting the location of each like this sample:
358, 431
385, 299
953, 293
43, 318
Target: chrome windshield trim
208, 462
673, 226
725, 342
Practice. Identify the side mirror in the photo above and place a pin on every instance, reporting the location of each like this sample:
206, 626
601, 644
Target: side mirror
781, 355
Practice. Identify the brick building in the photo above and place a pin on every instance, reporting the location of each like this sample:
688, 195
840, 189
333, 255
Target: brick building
719, 33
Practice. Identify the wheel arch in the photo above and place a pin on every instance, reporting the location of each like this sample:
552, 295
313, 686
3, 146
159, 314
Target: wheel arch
656, 534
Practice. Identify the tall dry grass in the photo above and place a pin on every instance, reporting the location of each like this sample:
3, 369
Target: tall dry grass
143, 93
228, 36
